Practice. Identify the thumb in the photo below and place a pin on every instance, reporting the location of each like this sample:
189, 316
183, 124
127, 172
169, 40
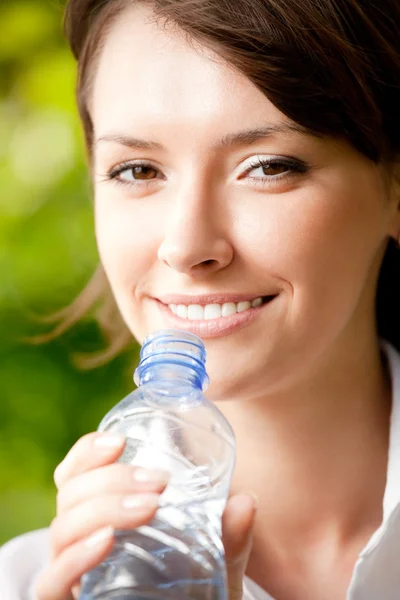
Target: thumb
237, 527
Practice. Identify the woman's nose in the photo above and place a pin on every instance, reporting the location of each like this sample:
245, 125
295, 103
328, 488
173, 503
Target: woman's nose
194, 241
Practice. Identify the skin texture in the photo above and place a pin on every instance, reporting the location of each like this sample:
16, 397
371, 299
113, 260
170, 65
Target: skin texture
91, 504
316, 239
304, 384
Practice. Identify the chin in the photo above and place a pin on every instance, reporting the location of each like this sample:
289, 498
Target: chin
226, 388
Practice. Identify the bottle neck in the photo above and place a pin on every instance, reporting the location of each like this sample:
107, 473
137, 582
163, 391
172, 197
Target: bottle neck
172, 356
166, 373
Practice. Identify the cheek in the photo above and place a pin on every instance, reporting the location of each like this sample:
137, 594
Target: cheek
335, 239
320, 242
126, 238
339, 220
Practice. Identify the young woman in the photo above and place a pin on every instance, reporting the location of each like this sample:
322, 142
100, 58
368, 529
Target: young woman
245, 162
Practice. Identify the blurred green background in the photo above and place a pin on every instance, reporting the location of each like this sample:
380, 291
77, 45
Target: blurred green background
47, 254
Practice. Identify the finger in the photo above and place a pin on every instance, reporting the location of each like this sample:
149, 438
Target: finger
76, 590
57, 581
122, 512
111, 479
90, 451
237, 525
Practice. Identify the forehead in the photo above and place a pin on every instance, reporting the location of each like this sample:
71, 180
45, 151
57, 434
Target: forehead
149, 74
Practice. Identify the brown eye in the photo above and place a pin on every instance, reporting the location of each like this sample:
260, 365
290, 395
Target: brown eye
274, 169
135, 173
265, 171
138, 172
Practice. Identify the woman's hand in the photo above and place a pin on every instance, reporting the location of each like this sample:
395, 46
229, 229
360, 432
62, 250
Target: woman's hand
97, 496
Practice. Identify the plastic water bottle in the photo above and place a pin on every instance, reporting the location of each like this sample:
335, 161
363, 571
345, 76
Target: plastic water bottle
169, 424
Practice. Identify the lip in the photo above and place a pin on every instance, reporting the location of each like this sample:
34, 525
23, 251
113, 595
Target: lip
212, 328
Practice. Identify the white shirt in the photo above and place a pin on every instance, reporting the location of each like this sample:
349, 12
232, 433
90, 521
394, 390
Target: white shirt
376, 575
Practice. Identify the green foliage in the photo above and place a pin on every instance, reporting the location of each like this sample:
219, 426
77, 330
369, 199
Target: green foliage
47, 253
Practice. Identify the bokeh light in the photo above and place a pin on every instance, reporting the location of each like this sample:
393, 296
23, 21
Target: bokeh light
47, 254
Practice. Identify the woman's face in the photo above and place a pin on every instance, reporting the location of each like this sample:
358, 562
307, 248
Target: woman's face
206, 194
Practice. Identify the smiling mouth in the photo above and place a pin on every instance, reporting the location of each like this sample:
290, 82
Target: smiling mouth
209, 312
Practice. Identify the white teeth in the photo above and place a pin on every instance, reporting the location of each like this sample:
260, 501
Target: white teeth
182, 311
256, 302
229, 308
196, 312
243, 306
213, 311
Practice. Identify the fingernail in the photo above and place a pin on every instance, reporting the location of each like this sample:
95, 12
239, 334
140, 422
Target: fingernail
109, 440
248, 499
100, 536
254, 497
150, 475
149, 501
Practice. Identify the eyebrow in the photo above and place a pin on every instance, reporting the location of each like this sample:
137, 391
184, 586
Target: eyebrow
240, 138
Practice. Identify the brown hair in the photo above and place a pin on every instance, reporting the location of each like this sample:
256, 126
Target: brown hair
333, 66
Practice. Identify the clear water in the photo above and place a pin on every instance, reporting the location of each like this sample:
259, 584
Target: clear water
169, 424
178, 557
